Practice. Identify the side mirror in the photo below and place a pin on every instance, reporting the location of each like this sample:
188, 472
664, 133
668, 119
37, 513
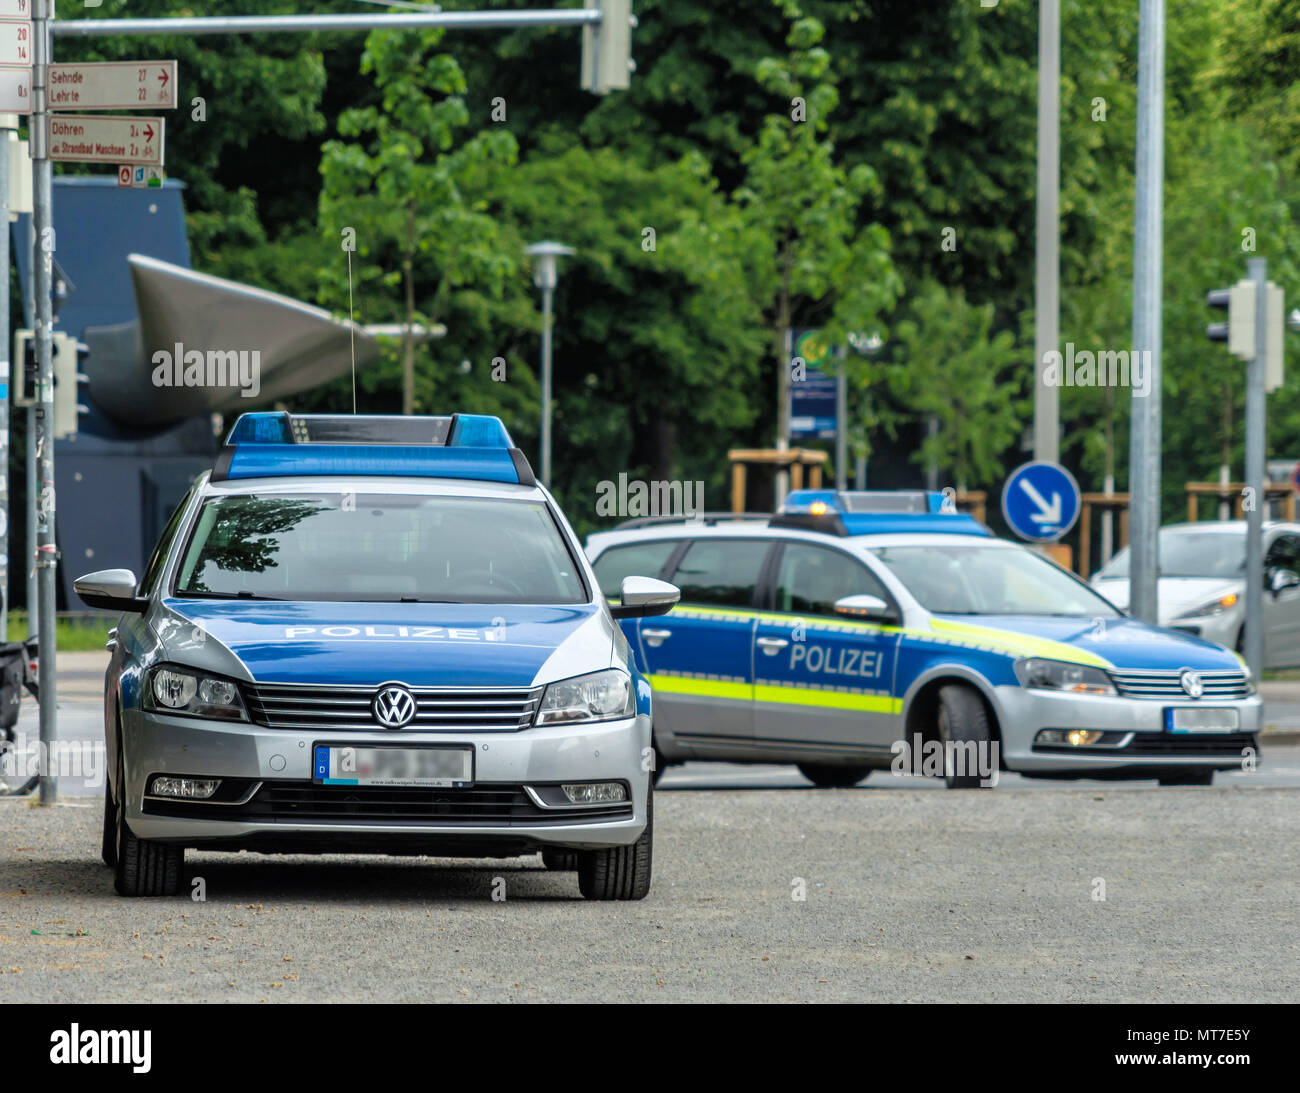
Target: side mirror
867, 608
110, 590
645, 596
1279, 580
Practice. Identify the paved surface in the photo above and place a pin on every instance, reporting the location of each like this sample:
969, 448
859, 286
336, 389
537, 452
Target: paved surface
910, 896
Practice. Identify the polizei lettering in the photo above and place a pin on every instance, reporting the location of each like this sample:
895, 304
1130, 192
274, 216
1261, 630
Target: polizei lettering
864, 663
426, 633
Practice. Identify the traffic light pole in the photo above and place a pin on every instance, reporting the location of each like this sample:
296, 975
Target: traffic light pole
43, 263
1256, 443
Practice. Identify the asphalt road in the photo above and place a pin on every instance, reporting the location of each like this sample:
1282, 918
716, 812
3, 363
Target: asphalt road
909, 896
910, 893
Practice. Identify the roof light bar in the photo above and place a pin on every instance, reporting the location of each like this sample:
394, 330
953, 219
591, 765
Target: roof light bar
875, 512
280, 444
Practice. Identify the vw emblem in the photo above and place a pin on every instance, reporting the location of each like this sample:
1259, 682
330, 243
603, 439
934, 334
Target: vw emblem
1193, 686
393, 706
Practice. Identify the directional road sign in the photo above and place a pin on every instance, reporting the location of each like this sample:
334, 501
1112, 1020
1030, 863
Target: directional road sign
15, 90
113, 85
16, 42
1040, 501
87, 138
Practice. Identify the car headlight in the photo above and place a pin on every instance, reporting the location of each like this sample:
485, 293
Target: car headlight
193, 694
599, 696
1214, 607
1060, 675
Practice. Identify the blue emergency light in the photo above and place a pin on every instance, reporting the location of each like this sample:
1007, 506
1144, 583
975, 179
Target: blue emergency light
875, 512
280, 445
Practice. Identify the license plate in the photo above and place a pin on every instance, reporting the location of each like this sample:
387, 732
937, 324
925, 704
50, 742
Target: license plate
1201, 719
436, 766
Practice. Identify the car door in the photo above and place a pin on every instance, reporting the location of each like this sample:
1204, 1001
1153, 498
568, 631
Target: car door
1282, 610
822, 681
699, 657
640, 558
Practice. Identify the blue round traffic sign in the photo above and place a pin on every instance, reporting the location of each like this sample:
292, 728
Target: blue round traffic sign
1040, 501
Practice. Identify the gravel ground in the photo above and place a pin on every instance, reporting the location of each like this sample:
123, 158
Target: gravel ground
910, 896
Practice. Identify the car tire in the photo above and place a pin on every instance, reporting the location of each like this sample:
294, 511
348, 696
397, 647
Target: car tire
962, 718
143, 867
619, 872
1187, 778
560, 861
825, 776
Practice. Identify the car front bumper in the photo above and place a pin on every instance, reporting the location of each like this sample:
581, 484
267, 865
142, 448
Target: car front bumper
276, 765
1023, 713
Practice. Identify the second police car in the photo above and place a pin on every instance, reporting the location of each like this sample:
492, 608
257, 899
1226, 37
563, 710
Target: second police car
372, 634
862, 631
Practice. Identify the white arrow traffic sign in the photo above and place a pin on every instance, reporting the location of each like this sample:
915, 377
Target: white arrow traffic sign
15, 90
1048, 515
86, 138
15, 42
113, 85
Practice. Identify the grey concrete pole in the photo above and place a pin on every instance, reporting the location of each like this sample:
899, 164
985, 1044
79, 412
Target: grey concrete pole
1256, 442
1047, 267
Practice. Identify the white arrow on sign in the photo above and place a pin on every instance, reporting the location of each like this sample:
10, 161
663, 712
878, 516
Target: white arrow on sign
1047, 515
113, 85
87, 138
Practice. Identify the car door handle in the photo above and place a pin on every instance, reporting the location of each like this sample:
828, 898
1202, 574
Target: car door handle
656, 637
771, 645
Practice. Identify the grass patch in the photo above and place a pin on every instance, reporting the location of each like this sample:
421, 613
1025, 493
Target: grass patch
73, 635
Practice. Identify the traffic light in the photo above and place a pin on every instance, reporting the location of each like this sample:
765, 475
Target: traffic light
68, 354
1239, 331
607, 47
24, 369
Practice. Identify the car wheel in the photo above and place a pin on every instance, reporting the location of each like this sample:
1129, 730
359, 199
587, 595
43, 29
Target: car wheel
143, 867
1188, 778
825, 776
963, 719
619, 872
560, 860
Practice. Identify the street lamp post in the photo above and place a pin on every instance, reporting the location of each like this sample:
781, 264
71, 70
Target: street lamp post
545, 277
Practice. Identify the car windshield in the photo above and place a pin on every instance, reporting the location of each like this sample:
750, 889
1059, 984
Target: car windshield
959, 579
378, 547
1187, 552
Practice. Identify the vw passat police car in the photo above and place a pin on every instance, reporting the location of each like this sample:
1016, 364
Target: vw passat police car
374, 634
863, 631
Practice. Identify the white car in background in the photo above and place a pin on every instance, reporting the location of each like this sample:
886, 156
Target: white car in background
1203, 584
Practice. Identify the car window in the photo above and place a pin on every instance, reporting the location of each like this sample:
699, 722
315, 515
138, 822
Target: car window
379, 547
631, 560
1284, 553
959, 579
160, 552
811, 578
721, 571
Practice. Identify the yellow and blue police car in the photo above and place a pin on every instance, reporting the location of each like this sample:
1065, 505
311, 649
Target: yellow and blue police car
860, 631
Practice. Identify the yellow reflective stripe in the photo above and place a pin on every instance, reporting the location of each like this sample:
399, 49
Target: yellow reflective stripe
769, 692
707, 688
822, 622
1024, 645
837, 700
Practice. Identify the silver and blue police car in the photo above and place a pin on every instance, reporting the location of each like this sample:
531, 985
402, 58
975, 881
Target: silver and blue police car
374, 634
862, 631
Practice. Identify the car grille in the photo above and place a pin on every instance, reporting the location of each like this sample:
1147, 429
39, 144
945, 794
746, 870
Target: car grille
281, 706
487, 803
1168, 684
1229, 745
